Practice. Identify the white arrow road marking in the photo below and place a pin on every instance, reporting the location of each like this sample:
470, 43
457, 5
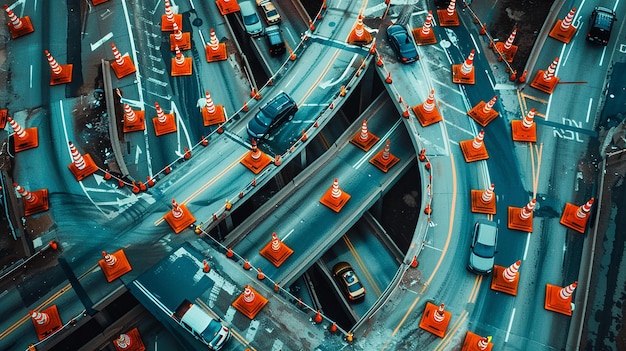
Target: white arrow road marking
101, 41
137, 153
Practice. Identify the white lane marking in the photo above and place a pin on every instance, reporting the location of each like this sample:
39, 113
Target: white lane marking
589, 110
101, 41
508, 330
326, 84
526, 248
287, 235
490, 81
476, 46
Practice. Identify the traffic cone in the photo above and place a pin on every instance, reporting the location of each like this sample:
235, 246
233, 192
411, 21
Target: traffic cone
425, 35
179, 217
384, 160
318, 317
212, 114
276, 251
18, 26
163, 123
129, 341
563, 30
227, 6
169, 18
545, 80
23, 139
260, 275
435, 319
133, 120
463, 73
61, 74
506, 279
35, 201
525, 129
256, 159
575, 217
82, 166
427, 112
150, 181
522, 218
3, 117
449, 16
98, 2
474, 149
333, 328
205, 267
483, 113
414, 262
123, 65
277, 160
364, 140
334, 198
179, 38
181, 65
359, 35
249, 302
46, 322
215, 51
114, 265
388, 80
560, 299
483, 201
474, 342
507, 49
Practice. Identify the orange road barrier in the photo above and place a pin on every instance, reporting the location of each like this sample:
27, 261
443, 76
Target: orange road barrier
187, 154
559, 299
435, 319
522, 218
256, 159
422, 155
427, 112
507, 50
334, 198
114, 265
277, 160
205, 267
142, 186
35, 201
179, 217
204, 141
23, 139
123, 65
563, 30
449, 17
212, 114
474, 342
129, 341
135, 189
181, 65
311, 25
150, 181
46, 322
61, 74
342, 92
364, 140
215, 51
180, 39
3, 117
575, 217
474, 149
18, 26
260, 275
483, 201
425, 35
229, 253
276, 251
384, 159
333, 328
82, 166
483, 113
414, 262
249, 302
246, 264
545, 80
506, 279
318, 317
463, 73
388, 80
483, 29
163, 123
359, 35
169, 18
133, 120
227, 6
526, 129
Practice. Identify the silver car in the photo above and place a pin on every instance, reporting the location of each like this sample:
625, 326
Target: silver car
483, 247
250, 18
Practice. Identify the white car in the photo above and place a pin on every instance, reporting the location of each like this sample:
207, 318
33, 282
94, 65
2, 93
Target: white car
250, 18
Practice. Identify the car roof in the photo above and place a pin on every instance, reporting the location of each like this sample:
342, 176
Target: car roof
395, 28
196, 318
487, 232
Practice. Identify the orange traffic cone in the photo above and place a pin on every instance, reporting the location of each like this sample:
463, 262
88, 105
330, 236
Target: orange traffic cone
169, 18
205, 267
560, 299
483, 113
46, 321
449, 16
133, 120
215, 51
3, 117
150, 181
256, 159
575, 217
123, 65
364, 140
474, 149
545, 80
507, 49
163, 123
98, 2
227, 6
23, 139
334, 198
276, 251
318, 317
522, 218
506, 279
179, 38
435, 319
427, 112
563, 30
114, 265
425, 35
359, 35
129, 341
474, 342
61, 74
384, 160
179, 217
464, 73
525, 130
35, 201
212, 114
250, 302
82, 166
484, 201
18, 26
181, 65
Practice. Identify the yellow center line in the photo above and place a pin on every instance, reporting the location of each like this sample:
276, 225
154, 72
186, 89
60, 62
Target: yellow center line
362, 265
451, 331
475, 288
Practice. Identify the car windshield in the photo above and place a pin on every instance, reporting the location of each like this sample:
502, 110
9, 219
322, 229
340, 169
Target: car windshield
484, 250
262, 119
272, 13
250, 19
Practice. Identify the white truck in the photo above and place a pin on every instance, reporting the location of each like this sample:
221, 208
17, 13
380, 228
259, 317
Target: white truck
204, 328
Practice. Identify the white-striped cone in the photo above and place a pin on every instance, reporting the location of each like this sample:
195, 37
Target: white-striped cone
468, 63
17, 129
549, 73
119, 59
583, 210
16, 21
487, 195
527, 210
129, 113
214, 42
180, 58
210, 107
255, 152
358, 29
124, 341
451, 8
109, 259
429, 104
275, 242
439, 316
489, 105
168, 12
56, 68
478, 140
427, 24
509, 273
509, 42
528, 120
483, 343
364, 132
162, 117
385, 154
25, 194
78, 159
567, 291
177, 211
336, 192
248, 295
567, 21
40, 317
178, 34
